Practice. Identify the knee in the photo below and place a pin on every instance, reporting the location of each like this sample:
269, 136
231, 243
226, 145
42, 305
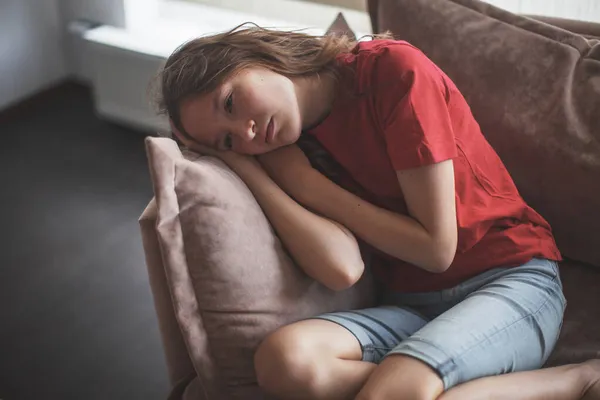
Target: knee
286, 363
418, 393
403, 377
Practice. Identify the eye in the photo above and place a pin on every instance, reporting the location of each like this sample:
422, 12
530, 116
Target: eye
229, 103
228, 142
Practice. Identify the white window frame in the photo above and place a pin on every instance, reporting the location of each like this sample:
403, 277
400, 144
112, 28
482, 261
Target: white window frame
360, 5
302, 13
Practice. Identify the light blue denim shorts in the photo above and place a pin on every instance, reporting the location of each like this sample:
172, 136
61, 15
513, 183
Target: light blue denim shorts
503, 320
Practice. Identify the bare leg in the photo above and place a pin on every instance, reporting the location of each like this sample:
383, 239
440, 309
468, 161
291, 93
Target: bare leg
313, 359
569, 382
593, 391
402, 377
318, 359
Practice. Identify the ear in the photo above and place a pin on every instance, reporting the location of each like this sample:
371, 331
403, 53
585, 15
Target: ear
175, 132
174, 129
177, 136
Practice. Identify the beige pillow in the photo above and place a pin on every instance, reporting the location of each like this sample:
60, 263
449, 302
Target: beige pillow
230, 279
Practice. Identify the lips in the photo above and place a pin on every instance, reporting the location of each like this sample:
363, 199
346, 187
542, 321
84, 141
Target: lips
270, 135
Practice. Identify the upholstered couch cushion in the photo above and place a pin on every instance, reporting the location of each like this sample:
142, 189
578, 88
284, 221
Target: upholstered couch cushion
340, 27
579, 338
230, 280
535, 90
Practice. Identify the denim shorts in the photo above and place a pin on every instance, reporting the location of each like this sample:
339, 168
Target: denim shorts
503, 320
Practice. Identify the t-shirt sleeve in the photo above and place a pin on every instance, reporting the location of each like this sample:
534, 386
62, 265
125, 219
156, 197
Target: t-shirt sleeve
412, 101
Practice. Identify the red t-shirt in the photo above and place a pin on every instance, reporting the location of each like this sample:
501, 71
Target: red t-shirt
397, 110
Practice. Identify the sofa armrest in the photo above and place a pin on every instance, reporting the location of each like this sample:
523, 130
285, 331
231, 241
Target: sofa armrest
178, 361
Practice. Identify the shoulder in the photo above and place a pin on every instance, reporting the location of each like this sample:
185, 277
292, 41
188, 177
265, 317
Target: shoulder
396, 78
389, 63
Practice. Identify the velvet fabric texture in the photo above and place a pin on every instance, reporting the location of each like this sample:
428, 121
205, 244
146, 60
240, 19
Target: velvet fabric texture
534, 87
230, 280
535, 91
178, 361
340, 27
580, 335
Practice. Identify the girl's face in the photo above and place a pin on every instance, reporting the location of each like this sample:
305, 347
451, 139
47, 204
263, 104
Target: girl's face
253, 112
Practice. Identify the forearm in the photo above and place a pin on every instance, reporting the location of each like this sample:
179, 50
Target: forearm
323, 249
398, 235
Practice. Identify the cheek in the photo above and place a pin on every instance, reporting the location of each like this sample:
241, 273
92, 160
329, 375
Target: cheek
258, 96
274, 92
247, 100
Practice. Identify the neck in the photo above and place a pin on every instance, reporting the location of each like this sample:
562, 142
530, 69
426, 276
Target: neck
316, 95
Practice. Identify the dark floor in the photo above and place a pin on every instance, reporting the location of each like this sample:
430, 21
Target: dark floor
76, 313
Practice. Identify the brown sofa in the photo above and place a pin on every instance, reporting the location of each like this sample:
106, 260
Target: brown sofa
533, 83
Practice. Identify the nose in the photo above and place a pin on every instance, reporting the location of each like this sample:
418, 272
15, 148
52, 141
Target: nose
246, 130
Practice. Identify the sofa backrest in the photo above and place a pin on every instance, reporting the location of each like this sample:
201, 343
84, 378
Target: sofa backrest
535, 90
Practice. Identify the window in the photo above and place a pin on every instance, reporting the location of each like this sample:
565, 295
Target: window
344, 4
354, 4
310, 13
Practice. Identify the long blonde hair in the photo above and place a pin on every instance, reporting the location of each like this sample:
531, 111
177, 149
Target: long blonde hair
200, 65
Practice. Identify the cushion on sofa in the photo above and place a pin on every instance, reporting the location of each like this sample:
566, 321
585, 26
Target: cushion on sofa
579, 338
535, 90
340, 27
230, 279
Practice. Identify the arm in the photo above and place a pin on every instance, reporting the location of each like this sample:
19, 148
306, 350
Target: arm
326, 251
411, 104
427, 237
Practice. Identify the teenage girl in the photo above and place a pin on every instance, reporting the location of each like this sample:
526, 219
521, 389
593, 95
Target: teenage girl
472, 300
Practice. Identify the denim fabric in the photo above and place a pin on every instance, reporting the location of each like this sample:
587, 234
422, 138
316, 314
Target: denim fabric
504, 320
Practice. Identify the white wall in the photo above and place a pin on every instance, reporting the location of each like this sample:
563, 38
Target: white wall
110, 12
31, 53
35, 50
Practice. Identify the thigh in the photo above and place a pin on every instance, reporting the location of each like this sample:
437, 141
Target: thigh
374, 331
314, 337
510, 324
